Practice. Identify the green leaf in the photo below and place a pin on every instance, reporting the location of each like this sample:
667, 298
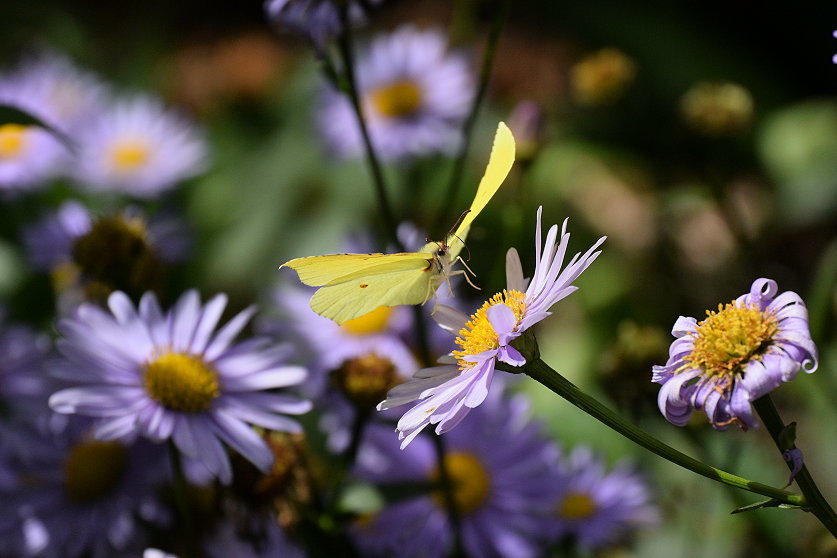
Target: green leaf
14, 115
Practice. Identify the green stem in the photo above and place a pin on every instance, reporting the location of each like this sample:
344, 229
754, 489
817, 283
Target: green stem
542, 373
450, 503
344, 43
181, 501
471, 118
816, 502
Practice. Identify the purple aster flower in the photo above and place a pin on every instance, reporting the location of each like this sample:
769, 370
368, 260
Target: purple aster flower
172, 376
316, 20
414, 97
24, 383
48, 86
499, 465
76, 496
138, 147
595, 507
450, 391
737, 354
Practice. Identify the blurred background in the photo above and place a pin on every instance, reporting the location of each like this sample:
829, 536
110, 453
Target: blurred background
701, 138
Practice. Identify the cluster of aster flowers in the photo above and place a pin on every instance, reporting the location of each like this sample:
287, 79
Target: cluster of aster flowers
104, 142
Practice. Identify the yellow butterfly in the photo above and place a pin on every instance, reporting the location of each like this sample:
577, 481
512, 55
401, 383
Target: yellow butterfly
352, 285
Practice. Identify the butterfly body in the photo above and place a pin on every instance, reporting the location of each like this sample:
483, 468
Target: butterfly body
351, 285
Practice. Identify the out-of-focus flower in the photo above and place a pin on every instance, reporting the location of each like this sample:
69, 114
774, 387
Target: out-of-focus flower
527, 124
743, 351
499, 466
595, 507
266, 539
76, 496
49, 87
315, 20
138, 147
105, 253
24, 384
717, 109
413, 93
205, 75
452, 390
602, 77
172, 376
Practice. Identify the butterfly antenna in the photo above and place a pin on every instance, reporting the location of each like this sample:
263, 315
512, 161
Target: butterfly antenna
458, 221
466, 248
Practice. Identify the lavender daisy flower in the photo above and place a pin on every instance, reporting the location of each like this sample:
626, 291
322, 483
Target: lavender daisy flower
414, 97
743, 351
48, 86
598, 508
79, 497
499, 465
170, 376
450, 391
316, 20
140, 148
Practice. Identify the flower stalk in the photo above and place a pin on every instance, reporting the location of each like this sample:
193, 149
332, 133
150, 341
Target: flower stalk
817, 503
542, 373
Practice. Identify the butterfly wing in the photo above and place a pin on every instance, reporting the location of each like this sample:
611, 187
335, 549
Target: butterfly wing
499, 164
317, 271
389, 283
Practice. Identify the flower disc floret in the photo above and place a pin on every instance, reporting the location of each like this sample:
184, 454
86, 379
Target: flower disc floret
93, 469
470, 482
181, 382
479, 335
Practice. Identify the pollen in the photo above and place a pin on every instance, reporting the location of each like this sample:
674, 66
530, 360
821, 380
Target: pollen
397, 100
731, 337
470, 482
478, 335
577, 505
129, 155
375, 321
93, 469
12, 140
181, 382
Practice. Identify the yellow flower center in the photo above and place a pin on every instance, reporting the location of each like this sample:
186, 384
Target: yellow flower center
478, 335
93, 469
366, 379
129, 155
577, 505
181, 382
12, 140
731, 337
397, 100
470, 482
372, 322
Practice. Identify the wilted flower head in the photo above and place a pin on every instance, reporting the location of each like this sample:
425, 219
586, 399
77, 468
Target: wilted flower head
414, 97
499, 465
172, 376
138, 147
717, 109
596, 507
452, 390
602, 76
737, 354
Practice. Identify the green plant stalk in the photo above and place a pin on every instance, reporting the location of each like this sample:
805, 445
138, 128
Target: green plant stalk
471, 118
817, 503
181, 501
344, 45
541, 372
